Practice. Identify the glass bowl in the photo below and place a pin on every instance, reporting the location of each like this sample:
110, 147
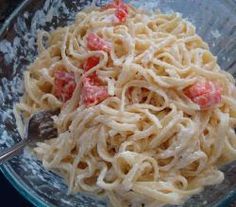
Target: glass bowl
215, 21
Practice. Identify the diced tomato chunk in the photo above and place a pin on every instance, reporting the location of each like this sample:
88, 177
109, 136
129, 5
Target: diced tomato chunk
205, 93
64, 85
199, 88
94, 42
94, 80
208, 100
121, 14
91, 62
92, 93
121, 9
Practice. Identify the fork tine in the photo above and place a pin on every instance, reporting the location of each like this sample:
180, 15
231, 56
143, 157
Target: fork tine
41, 125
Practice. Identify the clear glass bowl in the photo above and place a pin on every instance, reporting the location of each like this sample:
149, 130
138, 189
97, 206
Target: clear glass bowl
215, 21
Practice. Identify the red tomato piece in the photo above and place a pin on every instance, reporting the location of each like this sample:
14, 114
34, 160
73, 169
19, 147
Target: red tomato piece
205, 93
121, 14
64, 85
208, 100
94, 42
91, 62
94, 80
92, 93
121, 9
199, 88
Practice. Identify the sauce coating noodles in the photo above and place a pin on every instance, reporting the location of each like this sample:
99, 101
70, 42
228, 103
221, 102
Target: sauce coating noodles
130, 125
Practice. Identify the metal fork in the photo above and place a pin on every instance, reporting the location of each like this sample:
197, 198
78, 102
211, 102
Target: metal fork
39, 127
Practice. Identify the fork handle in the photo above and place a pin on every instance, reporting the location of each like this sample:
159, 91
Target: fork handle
12, 151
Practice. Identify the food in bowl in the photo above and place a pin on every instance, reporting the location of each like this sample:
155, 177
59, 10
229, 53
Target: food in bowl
146, 114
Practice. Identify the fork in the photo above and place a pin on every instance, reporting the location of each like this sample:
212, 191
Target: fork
39, 127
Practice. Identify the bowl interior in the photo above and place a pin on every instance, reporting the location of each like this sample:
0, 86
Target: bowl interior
215, 21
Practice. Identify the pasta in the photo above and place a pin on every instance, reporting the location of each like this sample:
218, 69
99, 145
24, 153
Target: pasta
146, 114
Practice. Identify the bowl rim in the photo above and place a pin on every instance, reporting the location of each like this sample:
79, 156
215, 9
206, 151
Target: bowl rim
12, 16
23, 189
16, 181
